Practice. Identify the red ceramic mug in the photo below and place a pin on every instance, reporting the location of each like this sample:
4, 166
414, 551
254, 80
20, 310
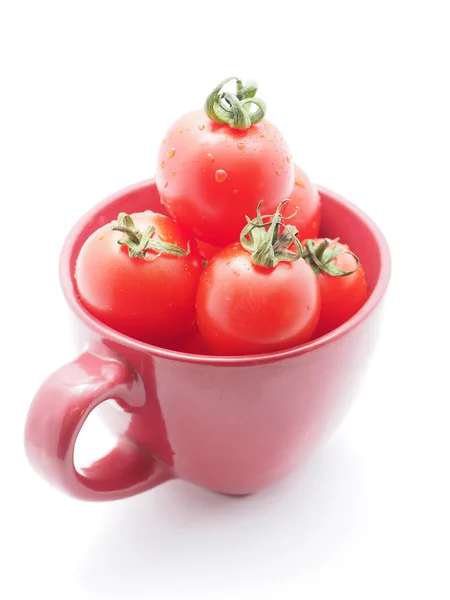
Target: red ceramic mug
231, 424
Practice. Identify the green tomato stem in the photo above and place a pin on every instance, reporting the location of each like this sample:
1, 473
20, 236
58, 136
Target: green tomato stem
139, 242
234, 109
321, 255
263, 240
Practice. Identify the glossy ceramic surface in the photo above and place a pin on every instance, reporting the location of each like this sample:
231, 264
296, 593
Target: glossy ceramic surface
233, 425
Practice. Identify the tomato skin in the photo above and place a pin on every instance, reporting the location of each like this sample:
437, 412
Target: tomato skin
341, 297
207, 251
305, 196
246, 309
210, 176
151, 299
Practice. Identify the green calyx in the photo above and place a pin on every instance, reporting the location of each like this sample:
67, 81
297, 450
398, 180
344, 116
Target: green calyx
139, 242
262, 238
321, 255
234, 109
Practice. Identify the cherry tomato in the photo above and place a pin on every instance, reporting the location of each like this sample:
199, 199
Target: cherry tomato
341, 295
257, 295
211, 175
143, 285
247, 309
306, 198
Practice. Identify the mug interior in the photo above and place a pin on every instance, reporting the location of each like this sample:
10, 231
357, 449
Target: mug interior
340, 218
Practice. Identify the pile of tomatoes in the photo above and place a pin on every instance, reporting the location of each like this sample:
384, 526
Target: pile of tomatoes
238, 267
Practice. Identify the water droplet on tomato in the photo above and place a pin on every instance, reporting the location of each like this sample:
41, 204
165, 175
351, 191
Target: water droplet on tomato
221, 175
162, 164
201, 127
101, 236
166, 184
241, 145
171, 152
261, 134
174, 173
300, 183
210, 157
308, 307
235, 191
277, 172
180, 131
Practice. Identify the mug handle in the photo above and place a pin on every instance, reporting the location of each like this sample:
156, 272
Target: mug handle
57, 413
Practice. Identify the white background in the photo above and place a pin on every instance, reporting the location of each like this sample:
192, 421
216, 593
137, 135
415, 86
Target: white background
361, 92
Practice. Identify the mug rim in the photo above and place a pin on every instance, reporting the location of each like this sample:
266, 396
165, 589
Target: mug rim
72, 298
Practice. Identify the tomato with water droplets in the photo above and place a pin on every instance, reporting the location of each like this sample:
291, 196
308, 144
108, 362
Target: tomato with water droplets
342, 283
243, 308
257, 296
139, 275
222, 173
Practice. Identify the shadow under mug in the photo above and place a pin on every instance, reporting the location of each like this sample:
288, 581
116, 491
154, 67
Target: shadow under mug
231, 424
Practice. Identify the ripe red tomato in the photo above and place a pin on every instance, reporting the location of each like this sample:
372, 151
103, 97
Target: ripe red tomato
341, 295
145, 289
257, 295
306, 197
243, 308
210, 175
